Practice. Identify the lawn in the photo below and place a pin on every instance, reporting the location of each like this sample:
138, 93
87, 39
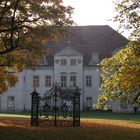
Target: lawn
94, 126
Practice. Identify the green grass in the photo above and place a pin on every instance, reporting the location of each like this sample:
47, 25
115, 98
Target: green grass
111, 116
86, 115
95, 126
11, 115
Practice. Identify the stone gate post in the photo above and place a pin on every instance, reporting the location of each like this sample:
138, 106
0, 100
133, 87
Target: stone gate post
76, 108
34, 108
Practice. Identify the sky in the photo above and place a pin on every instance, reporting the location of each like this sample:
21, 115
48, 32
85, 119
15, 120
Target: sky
93, 12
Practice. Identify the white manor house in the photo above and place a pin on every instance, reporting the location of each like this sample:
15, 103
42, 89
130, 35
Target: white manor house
72, 62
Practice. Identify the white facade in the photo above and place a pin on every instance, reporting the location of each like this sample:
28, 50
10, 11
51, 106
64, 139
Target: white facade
67, 62
74, 66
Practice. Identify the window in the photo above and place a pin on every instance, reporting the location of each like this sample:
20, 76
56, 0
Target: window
35, 81
123, 105
63, 62
11, 102
88, 81
89, 102
56, 61
73, 80
63, 81
73, 62
48, 81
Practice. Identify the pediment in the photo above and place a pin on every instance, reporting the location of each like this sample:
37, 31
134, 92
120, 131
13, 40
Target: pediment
68, 51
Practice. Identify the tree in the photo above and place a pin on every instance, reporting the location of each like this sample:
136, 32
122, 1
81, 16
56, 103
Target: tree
25, 26
121, 76
121, 72
22, 20
128, 16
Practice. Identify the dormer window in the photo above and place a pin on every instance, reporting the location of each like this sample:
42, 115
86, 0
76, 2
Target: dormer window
63, 62
94, 59
73, 62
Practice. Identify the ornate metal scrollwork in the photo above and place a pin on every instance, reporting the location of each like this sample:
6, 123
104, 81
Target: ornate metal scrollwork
59, 107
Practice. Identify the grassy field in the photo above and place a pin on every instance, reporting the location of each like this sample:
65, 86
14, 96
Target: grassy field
94, 126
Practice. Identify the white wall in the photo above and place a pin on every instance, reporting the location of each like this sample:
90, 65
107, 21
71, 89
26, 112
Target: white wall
92, 91
68, 68
15, 91
28, 87
24, 87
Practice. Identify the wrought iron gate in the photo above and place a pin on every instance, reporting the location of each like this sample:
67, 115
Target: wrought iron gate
56, 107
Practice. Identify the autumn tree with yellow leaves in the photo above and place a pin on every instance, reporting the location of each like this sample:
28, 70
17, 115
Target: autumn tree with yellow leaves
121, 72
25, 26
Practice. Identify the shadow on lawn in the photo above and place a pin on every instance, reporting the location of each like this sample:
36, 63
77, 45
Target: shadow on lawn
20, 129
111, 116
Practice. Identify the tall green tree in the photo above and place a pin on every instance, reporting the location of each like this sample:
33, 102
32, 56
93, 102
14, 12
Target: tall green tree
121, 72
25, 26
